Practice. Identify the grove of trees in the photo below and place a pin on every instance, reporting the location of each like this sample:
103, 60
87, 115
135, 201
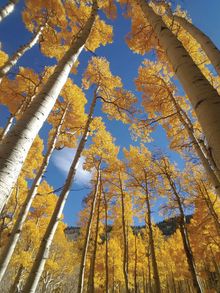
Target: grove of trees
119, 246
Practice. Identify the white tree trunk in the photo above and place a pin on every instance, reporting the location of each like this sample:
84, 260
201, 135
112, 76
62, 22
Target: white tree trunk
205, 42
12, 61
7, 127
203, 97
44, 249
18, 226
9, 8
87, 238
18, 141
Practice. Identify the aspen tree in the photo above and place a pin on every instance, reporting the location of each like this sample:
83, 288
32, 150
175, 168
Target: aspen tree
102, 150
68, 113
19, 93
106, 241
15, 234
106, 86
140, 171
203, 191
87, 236
202, 95
168, 172
91, 279
122, 218
165, 102
205, 41
20, 52
18, 141
125, 256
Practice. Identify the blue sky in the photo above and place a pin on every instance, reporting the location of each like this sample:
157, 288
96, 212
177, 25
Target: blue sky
123, 63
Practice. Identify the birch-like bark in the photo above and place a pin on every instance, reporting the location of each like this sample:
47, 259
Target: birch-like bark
7, 127
208, 46
44, 249
88, 232
7, 9
12, 61
203, 97
18, 141
125, 253
18, 226
91, 283
186, 244
151, 240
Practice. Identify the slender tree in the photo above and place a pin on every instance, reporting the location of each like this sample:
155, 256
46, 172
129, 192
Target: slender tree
19, 93
124, 225
168, 105
87, 237
168, 173
91, 280
140, 171
106, 241
12, 61
44, 249
15, 146
202, 95
201, 38
18, 226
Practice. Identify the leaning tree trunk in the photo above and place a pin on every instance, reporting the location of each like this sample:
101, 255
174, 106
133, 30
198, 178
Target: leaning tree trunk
7, 127
88, 232
7, 9
186, 244
91, 281
44, 249
18, 141
202, 152
23, 49
184, 119
18, 226
151, 241
205, 42
203, 97
125, 253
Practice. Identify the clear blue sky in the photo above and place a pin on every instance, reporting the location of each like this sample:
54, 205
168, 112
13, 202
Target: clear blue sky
205, 15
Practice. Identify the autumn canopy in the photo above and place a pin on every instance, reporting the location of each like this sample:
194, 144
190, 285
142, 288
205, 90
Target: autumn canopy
110, 121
